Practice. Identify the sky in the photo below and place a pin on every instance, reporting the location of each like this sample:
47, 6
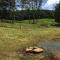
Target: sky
47, 4
50, 4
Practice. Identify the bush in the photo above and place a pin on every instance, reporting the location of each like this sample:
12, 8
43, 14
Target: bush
47, 22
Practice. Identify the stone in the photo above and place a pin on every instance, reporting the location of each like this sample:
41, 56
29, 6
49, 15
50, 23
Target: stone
38, 50
28, 50
34, 50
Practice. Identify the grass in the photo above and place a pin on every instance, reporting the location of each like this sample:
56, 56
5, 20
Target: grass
15, 37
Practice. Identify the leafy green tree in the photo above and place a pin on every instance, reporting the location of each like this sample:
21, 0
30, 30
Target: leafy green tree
7, 8
3, 8
31, 5
57, 13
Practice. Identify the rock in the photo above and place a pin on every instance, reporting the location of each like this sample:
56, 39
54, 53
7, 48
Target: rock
34, 50
38, 50
29, 50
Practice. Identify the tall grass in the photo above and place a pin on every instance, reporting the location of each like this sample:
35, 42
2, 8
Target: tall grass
15, 37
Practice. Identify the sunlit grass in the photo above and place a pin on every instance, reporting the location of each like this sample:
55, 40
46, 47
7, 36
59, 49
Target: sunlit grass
14, 37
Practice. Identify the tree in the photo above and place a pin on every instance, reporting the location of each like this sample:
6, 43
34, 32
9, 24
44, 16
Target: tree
57, 13
31, 5
7, 8
3, 9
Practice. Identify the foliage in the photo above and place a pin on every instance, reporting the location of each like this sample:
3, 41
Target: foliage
30, 10
28, 14
7, 8
47, 22
31, 5
57, 13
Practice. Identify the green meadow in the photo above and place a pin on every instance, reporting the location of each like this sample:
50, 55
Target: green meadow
21, 34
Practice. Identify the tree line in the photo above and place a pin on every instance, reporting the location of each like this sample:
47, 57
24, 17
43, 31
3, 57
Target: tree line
27, 14
30, 9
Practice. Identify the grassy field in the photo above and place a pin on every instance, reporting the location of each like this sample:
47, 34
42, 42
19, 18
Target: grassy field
15, 37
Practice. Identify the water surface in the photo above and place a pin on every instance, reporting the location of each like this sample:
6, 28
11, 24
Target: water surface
51, 46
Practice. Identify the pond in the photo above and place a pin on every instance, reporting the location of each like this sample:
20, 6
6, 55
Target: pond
50, 46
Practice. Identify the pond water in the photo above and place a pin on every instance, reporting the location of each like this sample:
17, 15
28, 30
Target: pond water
51, 46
